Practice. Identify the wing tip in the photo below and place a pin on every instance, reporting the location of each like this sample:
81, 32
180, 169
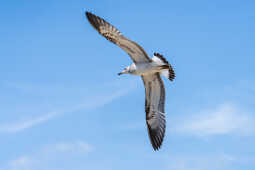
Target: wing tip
156, 147
93, 20
157, 143
88, 14
156, 139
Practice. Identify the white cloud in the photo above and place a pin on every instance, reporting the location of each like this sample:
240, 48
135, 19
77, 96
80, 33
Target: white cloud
19, 126
21, 163
92, 102
59, 153
226, 119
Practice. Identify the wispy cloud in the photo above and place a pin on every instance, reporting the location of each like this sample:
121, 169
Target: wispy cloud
23, 162
91, 102
226, 119
44, 158
19, 126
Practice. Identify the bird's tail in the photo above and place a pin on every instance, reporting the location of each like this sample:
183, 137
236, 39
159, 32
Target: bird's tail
167, 69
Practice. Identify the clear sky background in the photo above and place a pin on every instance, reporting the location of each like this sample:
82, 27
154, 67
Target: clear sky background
63, 106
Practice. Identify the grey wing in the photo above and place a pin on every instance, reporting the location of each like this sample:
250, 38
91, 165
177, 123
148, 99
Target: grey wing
154, 108
112, 34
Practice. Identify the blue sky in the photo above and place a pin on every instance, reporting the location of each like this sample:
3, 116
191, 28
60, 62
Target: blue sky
64, 107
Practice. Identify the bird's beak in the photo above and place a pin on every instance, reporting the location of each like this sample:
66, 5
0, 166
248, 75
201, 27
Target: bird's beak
123, 72
120, 73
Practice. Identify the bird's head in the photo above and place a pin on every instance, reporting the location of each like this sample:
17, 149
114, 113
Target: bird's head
125, 71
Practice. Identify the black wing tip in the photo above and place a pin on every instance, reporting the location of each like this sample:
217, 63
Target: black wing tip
157, 143
171, 73
90, 16
87, 13
156, 147
156, 139
93, 19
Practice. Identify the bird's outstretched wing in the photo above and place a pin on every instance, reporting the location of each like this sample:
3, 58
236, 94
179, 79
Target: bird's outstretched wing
112, 34
154, 108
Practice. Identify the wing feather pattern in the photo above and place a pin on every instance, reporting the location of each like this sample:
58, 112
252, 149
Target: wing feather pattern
135, 51
154, 108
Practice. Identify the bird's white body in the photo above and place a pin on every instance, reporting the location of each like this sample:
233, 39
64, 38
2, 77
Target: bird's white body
156, 65
145, 68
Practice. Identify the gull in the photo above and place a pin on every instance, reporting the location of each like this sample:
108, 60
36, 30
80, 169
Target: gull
149, 69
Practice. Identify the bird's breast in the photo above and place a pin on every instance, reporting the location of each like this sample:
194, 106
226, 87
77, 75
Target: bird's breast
144, 68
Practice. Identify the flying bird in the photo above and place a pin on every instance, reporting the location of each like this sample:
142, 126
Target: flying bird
149, 69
